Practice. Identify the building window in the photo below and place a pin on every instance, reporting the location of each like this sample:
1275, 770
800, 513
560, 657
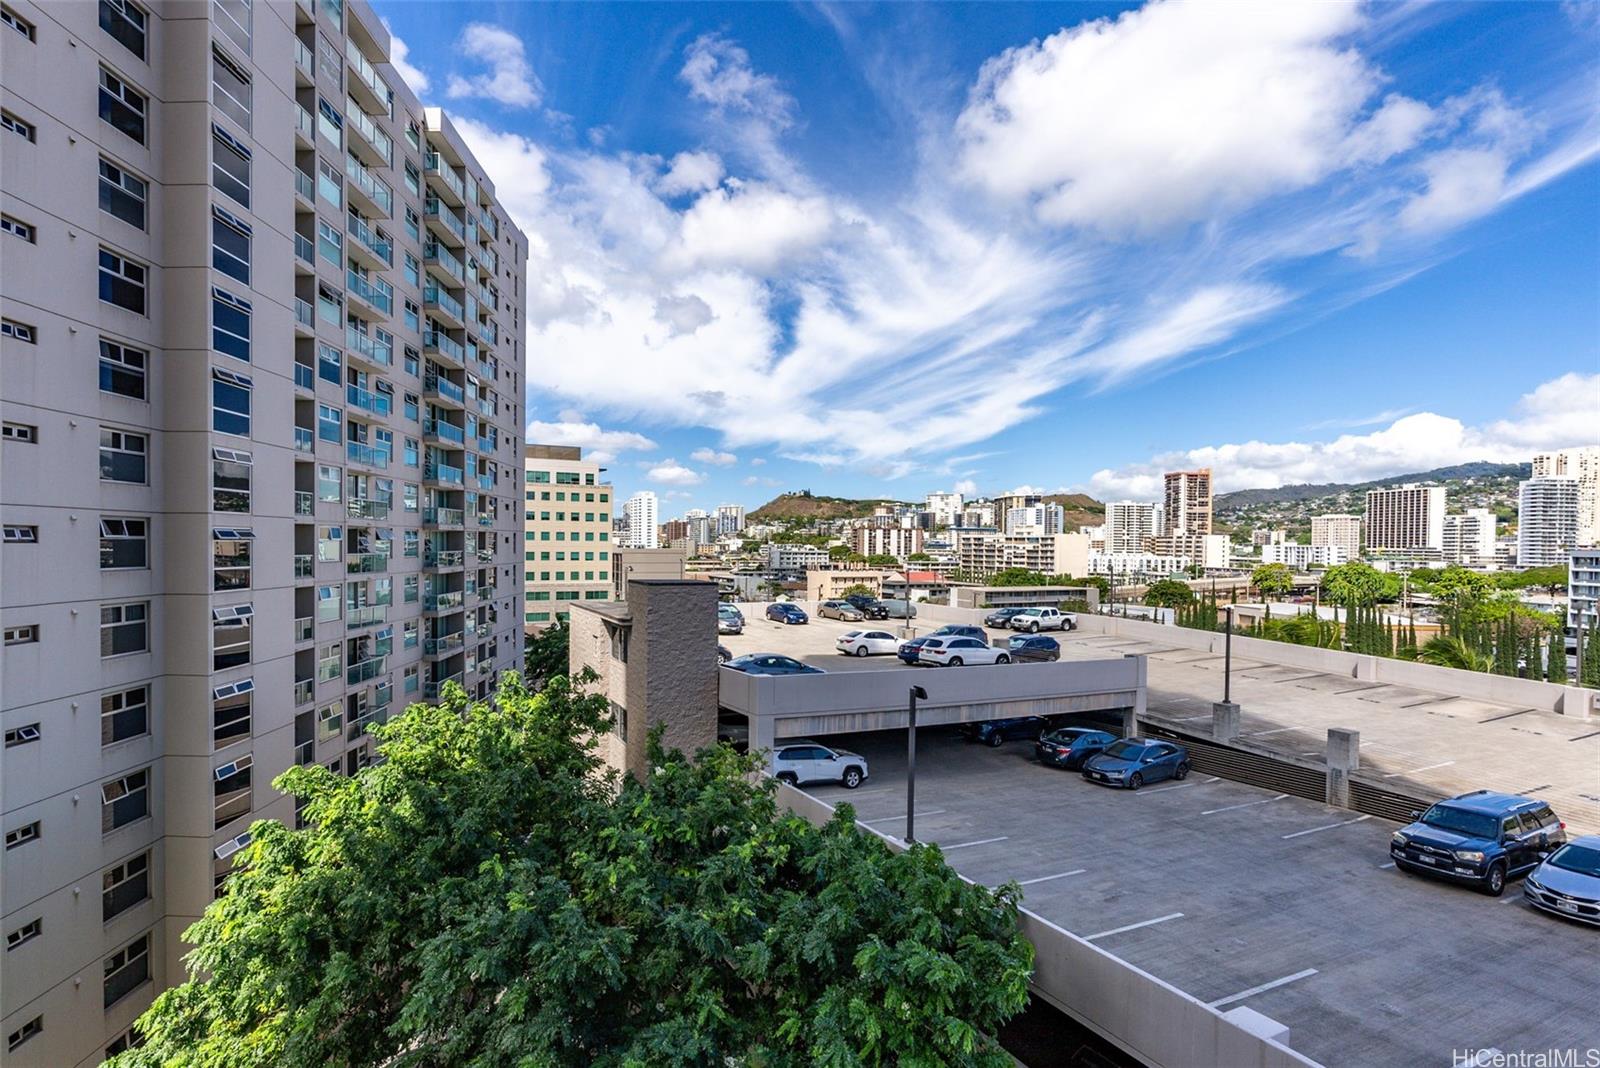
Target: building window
330, 244
122, 456
125, 800
17, 228
412, 407
230, 713
330, 124
124, 629
126, 22
23, 634
21, 535
330, 364
232, 791
330, 720
230, 325
413, 179
230, 165
18, 23
413, 361
230, 558
122, 106
330, 183
330, 422
413, 316
230, 403
230, 480
413, 270
124, 714
122, 369
129, 1039
408, 589
230, 245
329, 486
233, 19
122, 281
26, 933
18, 331
413, 222
124, 886
24, 130
25, 433
18, 836
24, 735
124, 544
127, 969
231, 88
122, 194
230, 636
28, 1030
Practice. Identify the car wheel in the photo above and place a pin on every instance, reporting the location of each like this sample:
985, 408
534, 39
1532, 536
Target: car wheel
789, 777
1033, 628
1495, 884
1135, 781
852, 778
996, 739
955, 661
1182, 773
1002, 659
861, 650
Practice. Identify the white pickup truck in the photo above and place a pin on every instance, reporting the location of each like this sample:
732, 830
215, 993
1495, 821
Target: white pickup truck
1036, 619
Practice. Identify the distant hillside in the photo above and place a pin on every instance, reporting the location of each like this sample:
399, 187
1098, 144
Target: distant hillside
807, 506
1081, 509
1240, 499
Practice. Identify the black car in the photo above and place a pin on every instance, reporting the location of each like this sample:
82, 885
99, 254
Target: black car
1069, 747
911, 649
1481, 838
870, 607
995, 732
1001, 617
1033, 648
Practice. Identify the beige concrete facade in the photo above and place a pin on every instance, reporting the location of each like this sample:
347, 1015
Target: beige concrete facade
635, 564
827, 583
264, 487
567, 550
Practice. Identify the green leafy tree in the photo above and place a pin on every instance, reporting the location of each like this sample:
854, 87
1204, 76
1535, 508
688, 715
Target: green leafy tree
837, 553
1459, 583
1454, 652
1354, 583
1551, 579
1169, 593
1589, 662
1272, 579
1018, 576
545, 654
882, 560
919, 558
486, 896
858, 588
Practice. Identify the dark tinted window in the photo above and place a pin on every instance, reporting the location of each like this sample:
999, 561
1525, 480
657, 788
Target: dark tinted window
1125, 751
1461, 821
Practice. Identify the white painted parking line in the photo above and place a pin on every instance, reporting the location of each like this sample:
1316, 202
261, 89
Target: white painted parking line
1263, 734
886, 819
1241, 995
1326, 827
981, 841
1134, 926
1388, 865
1245, 804
1214, 778
1164, 789
1413, 771
1190, 719
1048, 878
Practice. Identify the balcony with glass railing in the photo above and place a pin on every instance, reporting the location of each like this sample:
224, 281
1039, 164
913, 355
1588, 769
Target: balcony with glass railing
304, 629
368, 347
305, 691
434, 471
431, 688
305, 185
366, 238
443, 177
366, 563
440, 430
304, 249
485, 519
370, 139
486, 481
304, 565
304, 503
305, 62
304, 316
436, 255
367, 82
443, 558
446, 645
437, 299
444, 602
437, 341
359, 452
367, 400
441, 388
365, 616
436, 211
305, 127
304, 377
443, 517
375, 292
367, 508
486, 592
373, 188
303, 440
363, 670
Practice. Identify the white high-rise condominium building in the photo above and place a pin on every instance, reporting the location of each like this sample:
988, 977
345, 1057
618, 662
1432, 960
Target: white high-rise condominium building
1035, 519
261, 371
730, 518
1128, 524
1547, 521
1301, 557
641, 512
566, 533
1582, 464
1469, 538
1343, 531
1583, 596
1406, 517
946, 508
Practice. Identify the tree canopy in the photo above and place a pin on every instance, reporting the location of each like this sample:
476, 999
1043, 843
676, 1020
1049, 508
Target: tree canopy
883, 560
1168, 593
485, 895
1357, 583
1272, 579
856, 588
545, 653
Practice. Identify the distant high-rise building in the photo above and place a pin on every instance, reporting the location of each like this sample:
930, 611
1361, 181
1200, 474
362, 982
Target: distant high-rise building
1268, 536
1406, 517
641, 512
1469, 538
1036, 519
555, 570
1128, 524
1582, 464
1547, 521
946, 508
1343, 531
1301, 557
730, 518
899, 542
1188, 502
1006, 503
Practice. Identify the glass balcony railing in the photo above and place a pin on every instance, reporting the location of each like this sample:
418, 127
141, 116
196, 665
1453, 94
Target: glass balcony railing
437, 166
358, 452
305, 691
444, 344
304, 629
443, 517
376, 403
486, 592
434, 208
444, 431
365, 616
365, 508
304, 60
450, 643
435, 253
485, 520
443, 387
304, 124
380, 247
304, 377
304, 249
443, 558
366, 669
303, 441
440, 297
304, 503
369, 348
304, 565
375, 291
304, 184
444, 602
376, 189
303, 315
366, 563
362, 123
368, 75
438, 472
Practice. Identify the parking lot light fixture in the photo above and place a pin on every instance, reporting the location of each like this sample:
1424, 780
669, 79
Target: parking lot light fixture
1227, 657
917, 693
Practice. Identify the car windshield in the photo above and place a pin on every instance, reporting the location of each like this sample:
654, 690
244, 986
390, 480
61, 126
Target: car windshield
1585, 860
1125, 751
1462, 821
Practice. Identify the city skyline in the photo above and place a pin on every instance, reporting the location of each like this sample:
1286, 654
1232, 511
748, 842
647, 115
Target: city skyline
1416, 249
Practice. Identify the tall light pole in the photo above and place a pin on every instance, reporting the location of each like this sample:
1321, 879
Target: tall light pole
911, 764
1227, 658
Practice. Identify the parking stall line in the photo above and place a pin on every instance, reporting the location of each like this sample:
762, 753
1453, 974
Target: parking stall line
981, 841
1388, 865
1414, 771
1214, 778
1048, 878
1253, 991
1166, 789
1244, 804
901, 816
1134, 926
1275, 730
1325, 827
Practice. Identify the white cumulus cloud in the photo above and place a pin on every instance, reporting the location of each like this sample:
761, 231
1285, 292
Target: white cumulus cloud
713, 457
509, 79
671, 473
399, 59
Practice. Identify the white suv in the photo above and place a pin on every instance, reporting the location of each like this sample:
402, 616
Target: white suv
1036, 619
957, 650
798, 762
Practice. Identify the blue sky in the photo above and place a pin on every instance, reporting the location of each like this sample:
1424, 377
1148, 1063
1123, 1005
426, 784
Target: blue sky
882, 250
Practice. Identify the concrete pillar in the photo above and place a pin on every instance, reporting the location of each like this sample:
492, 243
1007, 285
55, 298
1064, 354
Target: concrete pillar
1224, 721
1344, 757
1132, 717
671, 667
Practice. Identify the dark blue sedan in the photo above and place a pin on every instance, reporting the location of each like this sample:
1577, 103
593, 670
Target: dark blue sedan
1070, 747
782, 612
771, 664
1133, 762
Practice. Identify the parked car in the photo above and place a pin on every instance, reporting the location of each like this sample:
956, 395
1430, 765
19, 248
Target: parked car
843, 611
1069, 747
899, 608
771, 664
910, 650
867, 642
996, 732
1482, 838
1033, 648
1034, 620
1001, 617
870, 607
729, 620
798, 762
1568, 882
784, 612
956, 650
723, 655
1133, 762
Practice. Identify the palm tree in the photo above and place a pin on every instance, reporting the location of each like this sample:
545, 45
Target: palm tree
1455, 653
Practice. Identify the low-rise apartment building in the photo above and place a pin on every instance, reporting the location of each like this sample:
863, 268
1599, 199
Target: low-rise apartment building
782, 556
1301, 557
566, 533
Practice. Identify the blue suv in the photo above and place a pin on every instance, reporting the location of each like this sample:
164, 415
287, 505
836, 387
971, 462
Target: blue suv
1480, 838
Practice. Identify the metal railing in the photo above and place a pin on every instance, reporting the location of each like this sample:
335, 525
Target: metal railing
365, 616
366, 563
367, 400
443, 517
304, 628
305, 503
366, 508
359, 452
444, 431
304, 565
443, 558
304, 441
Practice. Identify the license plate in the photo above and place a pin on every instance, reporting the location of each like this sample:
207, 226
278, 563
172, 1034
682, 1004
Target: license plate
1099, 777
1567, 906
1427, 859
